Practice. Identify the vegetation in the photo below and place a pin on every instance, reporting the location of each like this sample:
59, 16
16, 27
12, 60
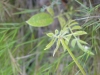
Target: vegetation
55, 39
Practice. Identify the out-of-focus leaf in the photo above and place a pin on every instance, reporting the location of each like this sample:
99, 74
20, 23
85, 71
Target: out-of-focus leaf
64, 32
79, 33
73, 22
76, 27
82, 42
73, 42
84, 50
50, 34
57, 46
25, 11
56, 31
50, 10
40, 20
62, 21
50, 44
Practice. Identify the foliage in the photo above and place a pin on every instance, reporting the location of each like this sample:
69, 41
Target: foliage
24, 52
40, 20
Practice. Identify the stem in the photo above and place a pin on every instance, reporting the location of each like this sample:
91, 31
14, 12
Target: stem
73, 57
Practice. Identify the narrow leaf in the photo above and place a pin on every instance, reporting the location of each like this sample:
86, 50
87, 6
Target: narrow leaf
57, 46
50, 44
76, 27
79, 33
84, 50
50, 34
83, 42
73, 22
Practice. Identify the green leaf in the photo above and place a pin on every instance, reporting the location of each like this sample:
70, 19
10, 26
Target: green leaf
82, 42
50, 44
57, 46
84, 50
69, 35
62, 21
50, 34
79, 33
76, 27
56, 31
25, 11
64, 31
73, 42
40, 20
50, 10
72, 22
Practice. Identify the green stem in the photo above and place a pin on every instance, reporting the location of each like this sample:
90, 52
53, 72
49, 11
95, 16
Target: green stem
73, 57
